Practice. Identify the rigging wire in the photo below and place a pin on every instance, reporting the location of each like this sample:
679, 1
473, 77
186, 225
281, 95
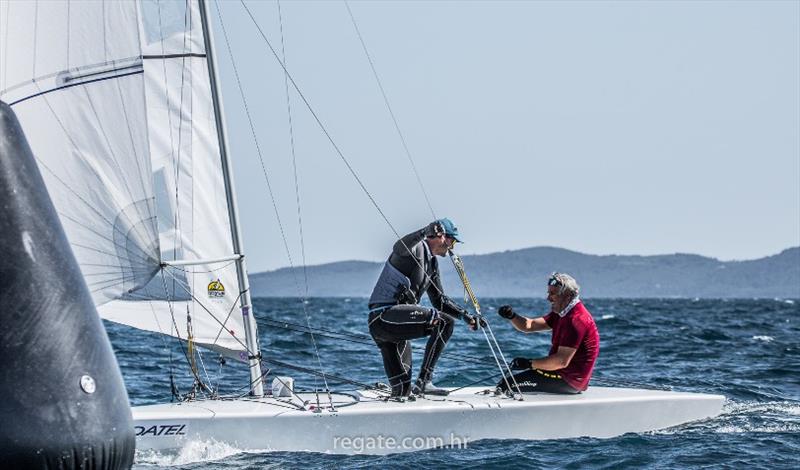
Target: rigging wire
185, 287
177, 158
357, 339
389, 108
456, 261
178, 241
338, 151
177, 335
269, 185
333, 377
299, 213
336, 148
294, 155
228, 317
319, 121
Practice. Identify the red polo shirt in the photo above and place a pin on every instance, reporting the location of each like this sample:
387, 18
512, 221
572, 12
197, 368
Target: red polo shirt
576, 330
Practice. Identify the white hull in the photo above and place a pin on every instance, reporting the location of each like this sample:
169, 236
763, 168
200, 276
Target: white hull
364, 424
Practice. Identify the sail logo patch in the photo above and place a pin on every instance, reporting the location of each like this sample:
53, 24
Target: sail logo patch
216, 290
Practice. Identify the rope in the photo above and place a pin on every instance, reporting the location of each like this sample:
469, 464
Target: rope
473, 383
459, 265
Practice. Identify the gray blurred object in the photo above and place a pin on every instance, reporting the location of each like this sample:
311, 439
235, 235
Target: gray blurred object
63, 403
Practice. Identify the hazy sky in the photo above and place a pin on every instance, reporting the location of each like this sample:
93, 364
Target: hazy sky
602, 127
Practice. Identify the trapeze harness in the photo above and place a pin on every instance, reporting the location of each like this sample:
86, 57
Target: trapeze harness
395, 316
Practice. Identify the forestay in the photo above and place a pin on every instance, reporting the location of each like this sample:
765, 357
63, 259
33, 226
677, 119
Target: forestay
116, 103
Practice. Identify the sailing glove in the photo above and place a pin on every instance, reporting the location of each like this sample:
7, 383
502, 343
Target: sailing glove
520, 363
473, 321
506, 312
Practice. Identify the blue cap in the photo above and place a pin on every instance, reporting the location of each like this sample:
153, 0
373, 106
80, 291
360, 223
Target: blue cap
450, 229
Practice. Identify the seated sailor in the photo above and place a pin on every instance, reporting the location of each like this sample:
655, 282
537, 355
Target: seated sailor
395, 314
574, 346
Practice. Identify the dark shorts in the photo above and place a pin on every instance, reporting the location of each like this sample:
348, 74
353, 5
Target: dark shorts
535, 380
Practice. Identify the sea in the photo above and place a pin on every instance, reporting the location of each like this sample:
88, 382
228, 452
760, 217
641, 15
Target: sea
747, 350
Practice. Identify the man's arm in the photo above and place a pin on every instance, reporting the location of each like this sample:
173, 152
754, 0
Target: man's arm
403, 247
559, 360
529, 325
523, 324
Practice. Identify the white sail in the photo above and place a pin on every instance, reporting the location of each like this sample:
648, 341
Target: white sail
115, 101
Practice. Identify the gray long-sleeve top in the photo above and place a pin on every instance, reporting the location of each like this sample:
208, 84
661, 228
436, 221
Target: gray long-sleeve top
412, 264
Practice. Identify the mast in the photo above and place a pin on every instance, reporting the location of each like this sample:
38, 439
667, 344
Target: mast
251, 332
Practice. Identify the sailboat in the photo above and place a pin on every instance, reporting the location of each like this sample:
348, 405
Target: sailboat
120, 104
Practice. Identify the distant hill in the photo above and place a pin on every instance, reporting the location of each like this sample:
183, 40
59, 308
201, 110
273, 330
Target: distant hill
522, 273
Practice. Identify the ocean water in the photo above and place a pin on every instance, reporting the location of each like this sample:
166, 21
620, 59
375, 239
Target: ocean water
747, 350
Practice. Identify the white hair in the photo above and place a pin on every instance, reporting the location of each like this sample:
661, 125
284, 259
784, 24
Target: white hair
566, 284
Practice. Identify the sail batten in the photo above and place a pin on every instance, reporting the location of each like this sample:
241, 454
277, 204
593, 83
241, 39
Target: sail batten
117, 105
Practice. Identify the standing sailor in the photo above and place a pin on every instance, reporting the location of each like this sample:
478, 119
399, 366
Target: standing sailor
395, 314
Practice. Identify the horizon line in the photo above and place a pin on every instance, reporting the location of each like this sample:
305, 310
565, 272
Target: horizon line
327, 263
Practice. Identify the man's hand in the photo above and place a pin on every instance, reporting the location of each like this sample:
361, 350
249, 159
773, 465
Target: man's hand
520, 363
434, 229
473, 321
506, 312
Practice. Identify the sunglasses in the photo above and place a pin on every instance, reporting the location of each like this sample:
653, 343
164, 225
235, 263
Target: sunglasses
553, 281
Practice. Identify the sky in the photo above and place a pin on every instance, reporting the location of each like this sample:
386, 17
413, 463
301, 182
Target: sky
601, 127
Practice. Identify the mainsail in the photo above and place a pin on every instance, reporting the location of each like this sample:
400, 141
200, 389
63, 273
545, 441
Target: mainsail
115, 99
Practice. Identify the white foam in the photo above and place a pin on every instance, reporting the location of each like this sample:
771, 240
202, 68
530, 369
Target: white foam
607, 316
191, 452
789, 301
775, 427
764, 338
748, 417
780, 416
737, 408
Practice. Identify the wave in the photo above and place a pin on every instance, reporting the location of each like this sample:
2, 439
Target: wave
193, 451
746, 417
764, 338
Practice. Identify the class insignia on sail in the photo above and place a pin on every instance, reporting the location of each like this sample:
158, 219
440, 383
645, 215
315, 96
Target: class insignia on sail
216, 289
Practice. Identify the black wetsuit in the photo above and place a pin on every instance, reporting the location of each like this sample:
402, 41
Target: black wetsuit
395, 316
